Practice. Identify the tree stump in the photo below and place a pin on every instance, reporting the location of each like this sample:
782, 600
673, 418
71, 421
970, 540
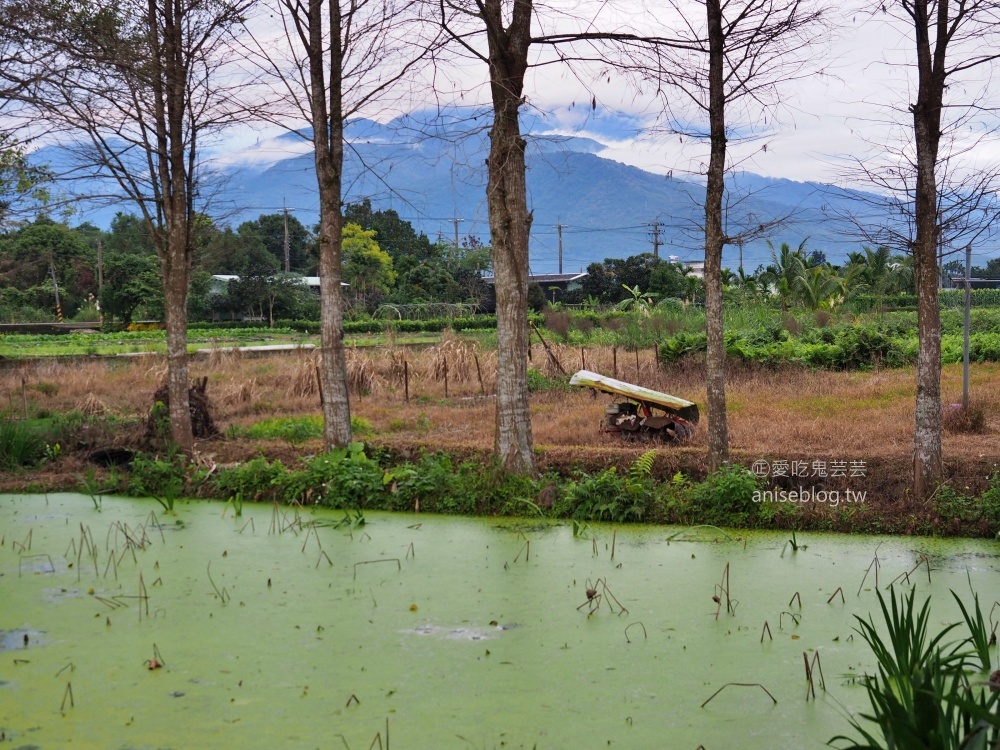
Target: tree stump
202, 424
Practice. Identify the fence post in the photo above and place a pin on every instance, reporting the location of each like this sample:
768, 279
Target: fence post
479, 374
319, 384
406, 381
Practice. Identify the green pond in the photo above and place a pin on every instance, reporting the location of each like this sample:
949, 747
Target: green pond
278, 629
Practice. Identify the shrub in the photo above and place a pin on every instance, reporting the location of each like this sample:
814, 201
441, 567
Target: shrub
425, 483
952, 505
47, 388
151, 476
681, 344
539, 382
255, 480
344, 477
584, 324
791, 325
726, 498
610, 496
557, 321
594, 497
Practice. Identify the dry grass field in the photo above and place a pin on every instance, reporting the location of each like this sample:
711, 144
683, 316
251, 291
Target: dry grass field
789, 411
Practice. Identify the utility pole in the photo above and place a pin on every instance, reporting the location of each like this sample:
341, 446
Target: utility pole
559, 228
456, 222
965, 344
655, 225
288, 244
55, 286
100, 275
100, 264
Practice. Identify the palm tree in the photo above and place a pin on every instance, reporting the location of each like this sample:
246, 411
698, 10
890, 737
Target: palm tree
786, 266
880, 273
819, 286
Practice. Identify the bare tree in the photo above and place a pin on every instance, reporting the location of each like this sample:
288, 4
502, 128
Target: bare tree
22, 183
967, 203
575, 38
736, 57
334, 61
939, 199
510, 219
136, 87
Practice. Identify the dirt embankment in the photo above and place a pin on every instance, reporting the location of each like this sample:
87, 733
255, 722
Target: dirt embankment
872, 496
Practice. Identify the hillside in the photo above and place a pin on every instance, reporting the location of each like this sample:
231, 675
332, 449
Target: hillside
606, 207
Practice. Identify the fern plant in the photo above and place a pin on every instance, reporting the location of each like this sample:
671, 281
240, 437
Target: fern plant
642, 469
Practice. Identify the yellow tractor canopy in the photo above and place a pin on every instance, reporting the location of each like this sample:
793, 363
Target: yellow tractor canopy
684, 409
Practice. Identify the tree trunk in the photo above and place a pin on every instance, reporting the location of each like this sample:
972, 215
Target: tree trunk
927, 137
170, 82
715, 358
175, 294
510, 224
328, 134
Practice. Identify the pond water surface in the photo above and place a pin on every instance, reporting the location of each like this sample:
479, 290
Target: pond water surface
277, 632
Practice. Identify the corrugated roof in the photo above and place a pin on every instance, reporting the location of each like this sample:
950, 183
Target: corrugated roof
547, 278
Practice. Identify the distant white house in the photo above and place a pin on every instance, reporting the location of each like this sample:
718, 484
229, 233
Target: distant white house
695, 267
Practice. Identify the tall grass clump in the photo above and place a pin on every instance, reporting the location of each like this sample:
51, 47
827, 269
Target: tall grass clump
928, 692
20, 445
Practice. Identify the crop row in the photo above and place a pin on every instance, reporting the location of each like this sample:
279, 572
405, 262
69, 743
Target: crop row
845, 348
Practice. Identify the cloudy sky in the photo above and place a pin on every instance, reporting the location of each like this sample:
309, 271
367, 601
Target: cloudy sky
860, 78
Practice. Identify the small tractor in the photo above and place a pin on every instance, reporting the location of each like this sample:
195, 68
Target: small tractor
645, 415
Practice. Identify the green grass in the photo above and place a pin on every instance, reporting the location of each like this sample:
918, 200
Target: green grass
16, 346
294, 430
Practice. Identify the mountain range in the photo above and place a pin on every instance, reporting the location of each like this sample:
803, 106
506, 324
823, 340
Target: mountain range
433, 175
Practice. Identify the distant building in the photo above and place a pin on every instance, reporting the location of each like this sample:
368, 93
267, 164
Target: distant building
958, 282
566, 282
695, 267
555, 285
